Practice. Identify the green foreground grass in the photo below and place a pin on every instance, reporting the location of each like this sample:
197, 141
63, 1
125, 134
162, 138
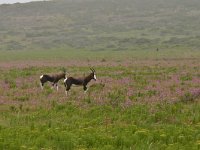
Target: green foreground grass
163, 126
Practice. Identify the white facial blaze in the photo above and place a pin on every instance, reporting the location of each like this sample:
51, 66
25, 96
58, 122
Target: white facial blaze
95, 77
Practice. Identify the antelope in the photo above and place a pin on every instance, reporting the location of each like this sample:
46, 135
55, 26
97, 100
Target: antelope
52, 78
69, 81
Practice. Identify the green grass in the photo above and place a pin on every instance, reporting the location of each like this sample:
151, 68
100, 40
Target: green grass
165, 126
107, 55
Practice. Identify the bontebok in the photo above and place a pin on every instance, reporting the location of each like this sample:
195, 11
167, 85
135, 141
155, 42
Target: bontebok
52, 78
69, 81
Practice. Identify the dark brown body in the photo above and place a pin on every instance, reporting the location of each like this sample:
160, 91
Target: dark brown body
68, 82
51, 78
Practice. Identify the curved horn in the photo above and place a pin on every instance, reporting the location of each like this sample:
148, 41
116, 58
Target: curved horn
64, 69
91, 69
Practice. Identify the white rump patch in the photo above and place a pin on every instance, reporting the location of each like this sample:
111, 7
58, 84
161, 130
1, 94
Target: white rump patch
41, 76
65, 79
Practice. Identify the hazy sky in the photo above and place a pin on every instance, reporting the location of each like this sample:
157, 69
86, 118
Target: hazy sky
15, 1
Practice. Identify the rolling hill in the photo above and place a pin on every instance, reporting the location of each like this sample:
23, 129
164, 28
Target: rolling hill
100, 25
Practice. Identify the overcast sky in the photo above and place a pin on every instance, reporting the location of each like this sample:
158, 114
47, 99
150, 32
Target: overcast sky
15, 1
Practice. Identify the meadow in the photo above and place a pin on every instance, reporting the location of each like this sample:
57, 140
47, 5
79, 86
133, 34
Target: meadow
141, 100
147, 60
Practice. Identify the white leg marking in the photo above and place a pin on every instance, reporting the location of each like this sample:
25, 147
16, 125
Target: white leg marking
41, 86
57, 87
86, 91
66, 92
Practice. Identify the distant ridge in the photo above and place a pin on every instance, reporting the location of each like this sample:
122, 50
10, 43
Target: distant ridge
100, 25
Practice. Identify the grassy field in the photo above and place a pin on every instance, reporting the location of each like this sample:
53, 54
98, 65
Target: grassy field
69, 54
141, 100
147, 59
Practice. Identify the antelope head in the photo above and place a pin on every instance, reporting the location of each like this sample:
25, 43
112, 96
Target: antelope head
93, 74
